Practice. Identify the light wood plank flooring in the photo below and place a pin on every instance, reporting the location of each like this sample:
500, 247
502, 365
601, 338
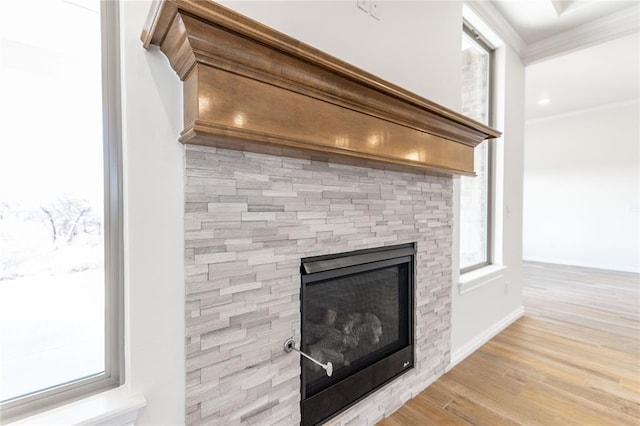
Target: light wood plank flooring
573, 359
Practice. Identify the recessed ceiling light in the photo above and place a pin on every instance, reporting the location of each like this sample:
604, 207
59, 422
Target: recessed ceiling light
544, 101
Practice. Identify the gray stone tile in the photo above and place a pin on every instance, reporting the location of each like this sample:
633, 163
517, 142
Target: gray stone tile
242, 260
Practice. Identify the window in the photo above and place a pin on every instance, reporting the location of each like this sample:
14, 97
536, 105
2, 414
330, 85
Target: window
476, 192
60, 210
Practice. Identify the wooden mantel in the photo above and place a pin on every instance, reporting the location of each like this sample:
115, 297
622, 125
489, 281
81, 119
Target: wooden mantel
249, 87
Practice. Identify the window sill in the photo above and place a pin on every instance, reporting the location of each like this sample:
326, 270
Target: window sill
480, 277
113, 408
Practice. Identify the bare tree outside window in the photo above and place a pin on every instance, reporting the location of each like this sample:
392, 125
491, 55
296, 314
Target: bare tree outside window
69, 217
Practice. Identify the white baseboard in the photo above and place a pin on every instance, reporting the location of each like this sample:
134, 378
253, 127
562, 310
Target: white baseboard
483, 338
634, 269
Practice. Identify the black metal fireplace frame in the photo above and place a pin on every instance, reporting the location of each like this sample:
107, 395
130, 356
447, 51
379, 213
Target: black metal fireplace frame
336, 398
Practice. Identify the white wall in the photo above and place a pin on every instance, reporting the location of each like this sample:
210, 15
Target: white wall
153, 202
495, 299
582, 188
415, 45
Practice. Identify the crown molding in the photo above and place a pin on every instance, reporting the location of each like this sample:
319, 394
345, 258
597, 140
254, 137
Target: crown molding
582, 111
610, 27
498, 23
561, 6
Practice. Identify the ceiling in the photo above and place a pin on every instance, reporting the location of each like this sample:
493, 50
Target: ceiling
589, 78
579, 54
536, 20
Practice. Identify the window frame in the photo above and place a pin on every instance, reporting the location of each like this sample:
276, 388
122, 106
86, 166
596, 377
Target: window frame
113, 375
483, 43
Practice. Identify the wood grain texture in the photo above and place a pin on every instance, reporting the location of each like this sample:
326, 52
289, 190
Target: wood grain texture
573, 359
249, 84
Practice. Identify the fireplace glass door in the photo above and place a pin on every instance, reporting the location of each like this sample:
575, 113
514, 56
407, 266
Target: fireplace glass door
356, 314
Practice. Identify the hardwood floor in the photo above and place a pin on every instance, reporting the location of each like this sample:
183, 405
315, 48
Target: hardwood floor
573, 359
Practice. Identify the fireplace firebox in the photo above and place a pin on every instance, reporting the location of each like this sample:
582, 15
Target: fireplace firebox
357, 314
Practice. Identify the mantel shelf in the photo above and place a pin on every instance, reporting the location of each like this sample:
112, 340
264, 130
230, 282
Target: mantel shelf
249, 87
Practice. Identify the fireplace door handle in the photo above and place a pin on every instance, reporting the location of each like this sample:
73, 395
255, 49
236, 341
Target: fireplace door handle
290, 345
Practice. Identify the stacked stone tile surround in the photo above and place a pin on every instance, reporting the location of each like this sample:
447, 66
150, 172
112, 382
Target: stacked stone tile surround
249, 219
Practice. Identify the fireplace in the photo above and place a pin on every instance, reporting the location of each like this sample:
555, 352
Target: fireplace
357, 313
291, 154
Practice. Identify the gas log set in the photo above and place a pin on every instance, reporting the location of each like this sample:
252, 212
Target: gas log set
341, 339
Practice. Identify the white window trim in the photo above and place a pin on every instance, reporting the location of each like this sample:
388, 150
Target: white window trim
113, 408
473, 280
